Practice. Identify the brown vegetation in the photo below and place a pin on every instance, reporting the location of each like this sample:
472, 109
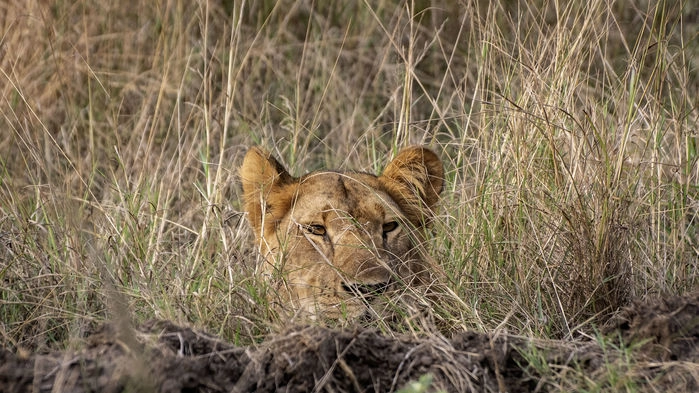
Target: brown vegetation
568, 131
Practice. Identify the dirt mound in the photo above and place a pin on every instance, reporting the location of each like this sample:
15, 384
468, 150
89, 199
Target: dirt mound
666, 329
176, 359
160, 356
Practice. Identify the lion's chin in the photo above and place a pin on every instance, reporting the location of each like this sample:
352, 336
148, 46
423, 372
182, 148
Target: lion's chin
336, 312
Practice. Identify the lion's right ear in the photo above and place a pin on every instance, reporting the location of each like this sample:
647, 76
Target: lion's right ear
414, 179
263, 179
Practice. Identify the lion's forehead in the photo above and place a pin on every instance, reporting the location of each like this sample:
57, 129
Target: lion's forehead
344, 195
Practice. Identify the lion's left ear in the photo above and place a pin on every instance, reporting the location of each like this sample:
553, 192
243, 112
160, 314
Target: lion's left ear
414, 179
264, 189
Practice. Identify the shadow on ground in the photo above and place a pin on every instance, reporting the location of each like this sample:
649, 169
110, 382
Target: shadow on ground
660, 352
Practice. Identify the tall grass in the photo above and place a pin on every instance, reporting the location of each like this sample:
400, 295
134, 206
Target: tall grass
568, 131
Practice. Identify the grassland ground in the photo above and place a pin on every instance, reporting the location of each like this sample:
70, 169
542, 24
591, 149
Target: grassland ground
662, 338
568, 130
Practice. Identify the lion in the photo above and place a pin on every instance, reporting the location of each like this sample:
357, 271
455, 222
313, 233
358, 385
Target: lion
340, 239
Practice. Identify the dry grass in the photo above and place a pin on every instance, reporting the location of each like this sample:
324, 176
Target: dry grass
569, 133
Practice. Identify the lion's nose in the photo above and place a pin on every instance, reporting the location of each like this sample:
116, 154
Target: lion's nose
362, 289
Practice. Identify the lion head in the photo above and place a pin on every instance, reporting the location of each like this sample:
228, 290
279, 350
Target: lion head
340, 238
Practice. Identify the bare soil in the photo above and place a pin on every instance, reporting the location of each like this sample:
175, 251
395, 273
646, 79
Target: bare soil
160, 356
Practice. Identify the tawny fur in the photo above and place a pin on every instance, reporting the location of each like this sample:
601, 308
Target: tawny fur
332, 234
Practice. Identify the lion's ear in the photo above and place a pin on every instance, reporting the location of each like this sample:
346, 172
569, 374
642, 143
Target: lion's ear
414, 179
263, 177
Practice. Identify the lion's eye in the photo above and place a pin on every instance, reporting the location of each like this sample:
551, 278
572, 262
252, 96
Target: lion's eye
389, 227
315, 229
